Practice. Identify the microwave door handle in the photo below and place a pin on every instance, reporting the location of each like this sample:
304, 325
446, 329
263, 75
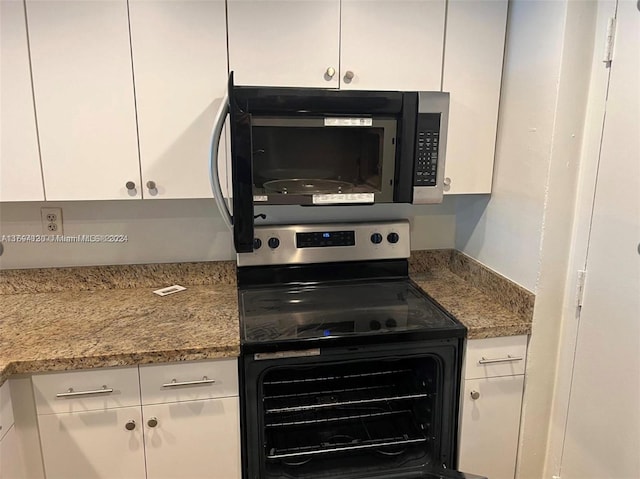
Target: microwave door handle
214, 171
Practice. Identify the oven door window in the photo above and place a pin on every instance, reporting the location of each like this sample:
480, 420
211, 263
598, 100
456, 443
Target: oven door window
296, 158
328, 420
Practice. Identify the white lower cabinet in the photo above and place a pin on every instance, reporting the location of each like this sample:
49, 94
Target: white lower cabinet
194, 439
490, 426
181, 420
12, 465
97, 444
11, 460
491, 405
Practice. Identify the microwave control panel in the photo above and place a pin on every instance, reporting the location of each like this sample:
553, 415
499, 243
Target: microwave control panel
427, 144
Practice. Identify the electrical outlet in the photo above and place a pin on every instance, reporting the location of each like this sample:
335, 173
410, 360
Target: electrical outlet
51, 221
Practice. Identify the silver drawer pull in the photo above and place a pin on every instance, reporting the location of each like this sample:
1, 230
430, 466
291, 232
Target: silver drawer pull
71, 393
176, 384
509, 358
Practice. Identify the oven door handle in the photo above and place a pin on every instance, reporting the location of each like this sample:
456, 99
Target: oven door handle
214, 171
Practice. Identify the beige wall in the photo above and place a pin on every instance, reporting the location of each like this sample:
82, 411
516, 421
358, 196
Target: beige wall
181, 230
524, 229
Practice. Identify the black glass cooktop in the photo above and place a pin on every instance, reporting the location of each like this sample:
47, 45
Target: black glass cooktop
341, 310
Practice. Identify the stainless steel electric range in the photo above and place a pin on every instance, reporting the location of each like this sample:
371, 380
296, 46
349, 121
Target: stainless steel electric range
348, 370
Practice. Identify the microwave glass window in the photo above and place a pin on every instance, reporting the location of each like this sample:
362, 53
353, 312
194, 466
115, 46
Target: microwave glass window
309, 160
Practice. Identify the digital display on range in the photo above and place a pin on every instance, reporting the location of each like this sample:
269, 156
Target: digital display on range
320, 239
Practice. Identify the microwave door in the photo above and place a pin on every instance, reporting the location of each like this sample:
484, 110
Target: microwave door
241, 173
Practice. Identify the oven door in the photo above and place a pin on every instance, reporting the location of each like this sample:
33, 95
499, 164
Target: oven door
384, 411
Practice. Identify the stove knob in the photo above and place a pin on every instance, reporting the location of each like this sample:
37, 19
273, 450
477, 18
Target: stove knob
376, 238
393, 237
257, 243
374, 325
273, 243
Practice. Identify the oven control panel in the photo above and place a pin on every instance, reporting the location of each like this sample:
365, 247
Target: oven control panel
326, 243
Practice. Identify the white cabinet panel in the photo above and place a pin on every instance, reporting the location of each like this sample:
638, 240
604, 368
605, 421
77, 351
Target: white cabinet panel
180, 65
392, 44
194, 439
93, 444
284, 43
123, 381
20, 174
6, 409
474, 50
490, 426
11, 458
83, 87
223, 373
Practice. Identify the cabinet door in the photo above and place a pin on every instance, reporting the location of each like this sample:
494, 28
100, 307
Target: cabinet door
20, 174
194, 439
83, 87
284, 43
490, 426
392, 44
11, 459
93, 444
180, 66
474, 50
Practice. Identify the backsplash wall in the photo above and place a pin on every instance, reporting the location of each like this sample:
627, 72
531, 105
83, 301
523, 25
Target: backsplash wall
160, 231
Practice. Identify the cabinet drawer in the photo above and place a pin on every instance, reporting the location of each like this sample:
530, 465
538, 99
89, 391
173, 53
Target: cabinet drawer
490, 357
86, 390
6, 411
189, 381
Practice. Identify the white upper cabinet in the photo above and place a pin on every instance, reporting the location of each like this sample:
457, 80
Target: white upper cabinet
284, 42
350, 44
180, 69
83, 87
20, 174
392, 44
473, 55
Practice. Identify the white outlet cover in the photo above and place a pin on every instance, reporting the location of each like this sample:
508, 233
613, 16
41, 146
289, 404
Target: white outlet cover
50, 227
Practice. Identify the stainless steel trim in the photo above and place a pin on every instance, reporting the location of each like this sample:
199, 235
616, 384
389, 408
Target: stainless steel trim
364, 249
175, 384
214, 173
509, 358
71, 393
346, 448
434, 102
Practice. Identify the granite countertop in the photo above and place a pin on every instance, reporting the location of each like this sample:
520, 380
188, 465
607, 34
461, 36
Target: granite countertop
78, 318
111, 317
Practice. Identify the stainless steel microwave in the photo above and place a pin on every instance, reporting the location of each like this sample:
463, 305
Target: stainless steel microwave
308, 146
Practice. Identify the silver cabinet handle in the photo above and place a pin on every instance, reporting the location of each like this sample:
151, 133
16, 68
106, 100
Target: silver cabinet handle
475, 395
151, 185
71, 393
330, 72
348, 76
509, 358
130, 185
447, 181
175, 384
130, 425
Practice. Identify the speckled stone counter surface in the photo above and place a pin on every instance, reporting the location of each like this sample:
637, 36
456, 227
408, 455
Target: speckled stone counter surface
488, 304
76, 318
